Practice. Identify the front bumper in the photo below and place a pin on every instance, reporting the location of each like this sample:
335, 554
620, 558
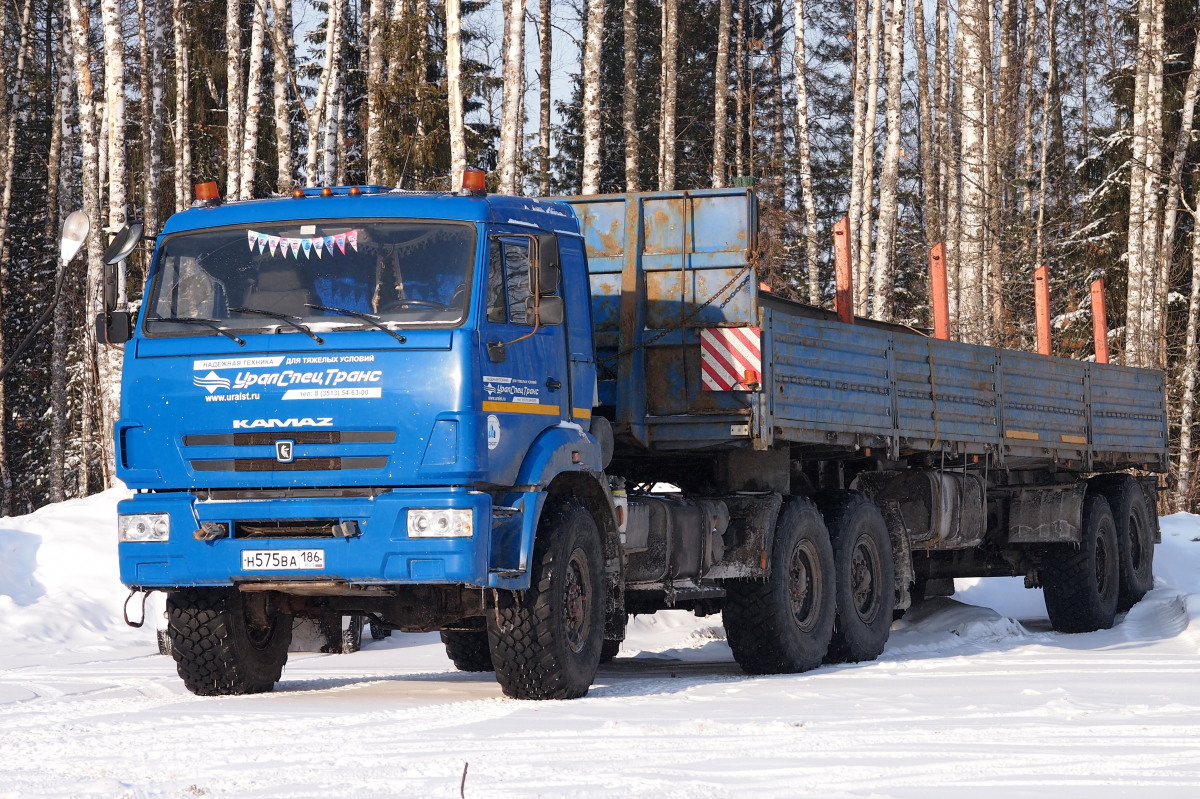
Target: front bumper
382, 554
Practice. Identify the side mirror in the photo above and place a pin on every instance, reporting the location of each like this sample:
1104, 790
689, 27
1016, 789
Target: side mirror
549, 310
74, 234
549, 271
122, 244
115, 327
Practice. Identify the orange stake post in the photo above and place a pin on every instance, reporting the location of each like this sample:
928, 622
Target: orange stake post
843, 301
941, 300
1041, 303
1099, 322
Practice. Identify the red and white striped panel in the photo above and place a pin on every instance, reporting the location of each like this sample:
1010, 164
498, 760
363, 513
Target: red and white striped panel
731, 358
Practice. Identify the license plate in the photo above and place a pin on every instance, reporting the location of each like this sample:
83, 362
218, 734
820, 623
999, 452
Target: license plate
282, 559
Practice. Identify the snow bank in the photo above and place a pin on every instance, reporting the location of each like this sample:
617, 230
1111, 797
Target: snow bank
59, 585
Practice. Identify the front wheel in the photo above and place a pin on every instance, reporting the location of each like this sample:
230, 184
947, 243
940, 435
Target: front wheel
782, 625
225, 642
546, 641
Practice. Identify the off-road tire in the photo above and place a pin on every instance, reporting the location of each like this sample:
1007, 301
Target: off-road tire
1134, 520
164, 642
468, 649
1081, 585
546, 641
782, 625
352, 634
609, 650
864, 576
218, 650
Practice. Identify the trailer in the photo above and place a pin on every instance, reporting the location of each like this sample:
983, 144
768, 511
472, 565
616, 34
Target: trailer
521, 421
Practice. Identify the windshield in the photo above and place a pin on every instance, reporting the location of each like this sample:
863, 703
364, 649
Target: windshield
271, 275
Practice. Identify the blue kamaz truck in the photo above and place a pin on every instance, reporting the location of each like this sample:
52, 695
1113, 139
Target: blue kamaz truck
519, 421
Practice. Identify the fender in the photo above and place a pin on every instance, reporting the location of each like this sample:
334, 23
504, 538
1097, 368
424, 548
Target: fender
566, 448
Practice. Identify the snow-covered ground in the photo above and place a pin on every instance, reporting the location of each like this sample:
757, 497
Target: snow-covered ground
975, 696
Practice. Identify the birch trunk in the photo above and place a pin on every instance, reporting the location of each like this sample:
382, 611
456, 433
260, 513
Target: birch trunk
90, 157
183, 147
1027, 69
894, 68
590, 183
376, 42
281, 39
972, 166
929, 197
1191, 358
458, 142
545, 50
331, 120
254, 81
804, 158
858, 89
1154, 291
1174, 178
941, 136
63, 330
235, 99
670, 56
863, 262
721, 89
150, 50
1047, 97
513, 103
316, 116
739, 157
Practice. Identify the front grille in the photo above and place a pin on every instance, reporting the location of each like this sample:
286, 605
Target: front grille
298, 465
285, 528
258, 439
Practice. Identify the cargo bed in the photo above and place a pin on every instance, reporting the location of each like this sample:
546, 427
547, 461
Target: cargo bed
665, 266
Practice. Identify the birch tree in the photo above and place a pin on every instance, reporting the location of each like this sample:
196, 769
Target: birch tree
629, 95
1191, 360
545, 50
593, 39
666, 126
458, 142
284, 47
254, 84
804, 156
867, 157
973, 22
721, 91
376, 42
150, 51
858, 94
234, 98
513, 103
317, 116
894, 69
183, 146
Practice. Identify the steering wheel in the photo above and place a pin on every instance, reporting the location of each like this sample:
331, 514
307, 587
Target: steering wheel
403, 305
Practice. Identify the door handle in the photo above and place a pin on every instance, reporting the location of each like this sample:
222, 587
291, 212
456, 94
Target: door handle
552, 384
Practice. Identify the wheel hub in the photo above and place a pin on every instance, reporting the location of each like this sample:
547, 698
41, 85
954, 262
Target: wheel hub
804, 585
864, 570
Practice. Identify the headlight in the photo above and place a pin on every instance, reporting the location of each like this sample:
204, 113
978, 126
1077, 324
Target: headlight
144, 527
440, 523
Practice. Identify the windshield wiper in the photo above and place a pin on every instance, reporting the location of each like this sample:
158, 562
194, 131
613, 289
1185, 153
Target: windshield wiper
192, 320
370, 319
293, 321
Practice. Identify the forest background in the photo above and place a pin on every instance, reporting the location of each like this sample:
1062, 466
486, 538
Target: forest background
1018, 132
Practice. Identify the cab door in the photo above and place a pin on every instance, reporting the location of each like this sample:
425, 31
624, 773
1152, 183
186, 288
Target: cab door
524, 374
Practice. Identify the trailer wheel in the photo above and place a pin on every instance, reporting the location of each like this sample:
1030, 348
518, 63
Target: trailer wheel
782, 625
546, 641
1081, 585
865, 578
468, 649
225, 642
1134, 521
352, 634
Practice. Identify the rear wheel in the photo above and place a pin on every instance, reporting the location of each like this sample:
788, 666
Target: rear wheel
609, 650
468, 649
782, 625
226, 642
546, 642
1081, 585
865, 577
1134, 521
